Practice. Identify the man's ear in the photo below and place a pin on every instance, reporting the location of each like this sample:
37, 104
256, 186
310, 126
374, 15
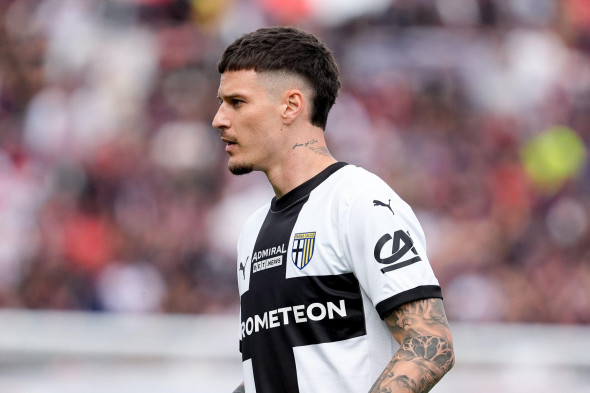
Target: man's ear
293, 105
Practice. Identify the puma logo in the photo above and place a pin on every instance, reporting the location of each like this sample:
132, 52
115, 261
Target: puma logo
243, 268
379, 203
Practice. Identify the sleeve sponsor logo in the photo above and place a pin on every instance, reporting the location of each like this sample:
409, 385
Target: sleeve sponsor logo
403, 252
303, 246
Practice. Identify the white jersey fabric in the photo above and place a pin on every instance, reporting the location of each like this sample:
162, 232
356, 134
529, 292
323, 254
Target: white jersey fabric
318, 270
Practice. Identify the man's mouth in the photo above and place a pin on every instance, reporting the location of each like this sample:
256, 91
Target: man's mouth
228, 141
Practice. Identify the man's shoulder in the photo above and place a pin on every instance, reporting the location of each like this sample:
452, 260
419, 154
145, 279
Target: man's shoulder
358, 186
358, 179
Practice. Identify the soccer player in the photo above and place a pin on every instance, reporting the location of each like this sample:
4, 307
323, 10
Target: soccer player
333, 270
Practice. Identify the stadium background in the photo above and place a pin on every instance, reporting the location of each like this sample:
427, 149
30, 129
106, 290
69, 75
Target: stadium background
118, 218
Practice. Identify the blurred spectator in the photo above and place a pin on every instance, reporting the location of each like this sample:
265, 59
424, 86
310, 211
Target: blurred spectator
114, 193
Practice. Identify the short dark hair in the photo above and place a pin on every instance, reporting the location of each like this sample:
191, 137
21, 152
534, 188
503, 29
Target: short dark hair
290, 50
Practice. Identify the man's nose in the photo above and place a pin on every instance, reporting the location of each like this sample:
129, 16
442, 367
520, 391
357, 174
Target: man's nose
220, 120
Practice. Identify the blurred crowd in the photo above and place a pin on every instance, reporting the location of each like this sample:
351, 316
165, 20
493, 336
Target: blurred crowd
114, 192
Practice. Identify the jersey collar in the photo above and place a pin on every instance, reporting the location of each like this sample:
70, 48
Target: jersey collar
304, 189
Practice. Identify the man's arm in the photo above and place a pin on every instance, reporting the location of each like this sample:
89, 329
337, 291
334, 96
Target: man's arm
240, 389
426, 348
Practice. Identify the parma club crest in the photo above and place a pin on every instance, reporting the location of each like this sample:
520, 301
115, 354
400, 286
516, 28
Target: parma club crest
303, 244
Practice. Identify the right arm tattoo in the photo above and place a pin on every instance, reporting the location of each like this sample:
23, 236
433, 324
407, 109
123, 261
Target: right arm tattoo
426, 348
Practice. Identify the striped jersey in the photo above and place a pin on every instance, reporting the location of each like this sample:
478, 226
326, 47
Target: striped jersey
318, 270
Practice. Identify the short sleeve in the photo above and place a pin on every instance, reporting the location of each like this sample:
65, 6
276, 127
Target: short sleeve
385, 246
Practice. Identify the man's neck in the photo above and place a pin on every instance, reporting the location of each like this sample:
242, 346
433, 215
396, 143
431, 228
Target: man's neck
305, 158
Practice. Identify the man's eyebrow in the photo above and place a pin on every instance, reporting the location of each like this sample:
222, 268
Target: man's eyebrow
229, 96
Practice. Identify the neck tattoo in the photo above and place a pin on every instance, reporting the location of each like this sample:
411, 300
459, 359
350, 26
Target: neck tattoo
321, 150
305, 144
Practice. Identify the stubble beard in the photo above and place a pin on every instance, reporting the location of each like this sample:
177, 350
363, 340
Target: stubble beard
240, 168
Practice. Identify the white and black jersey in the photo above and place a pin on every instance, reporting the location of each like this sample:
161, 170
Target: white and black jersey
318, 269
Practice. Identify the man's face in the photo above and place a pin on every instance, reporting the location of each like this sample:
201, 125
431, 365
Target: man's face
249, 121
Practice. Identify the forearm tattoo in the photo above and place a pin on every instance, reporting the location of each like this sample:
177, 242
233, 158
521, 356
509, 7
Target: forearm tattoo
426, 348
240, 389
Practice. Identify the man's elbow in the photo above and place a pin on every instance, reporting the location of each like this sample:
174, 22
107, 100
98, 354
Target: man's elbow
451, 360
449, 353
445, 357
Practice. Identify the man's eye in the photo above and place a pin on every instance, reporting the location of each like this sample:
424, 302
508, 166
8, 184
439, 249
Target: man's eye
236, 102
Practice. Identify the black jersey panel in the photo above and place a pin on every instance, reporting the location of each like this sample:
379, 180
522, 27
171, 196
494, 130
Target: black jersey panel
279, 314
298, 311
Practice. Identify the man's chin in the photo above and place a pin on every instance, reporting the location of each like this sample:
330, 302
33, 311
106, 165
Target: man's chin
240, 169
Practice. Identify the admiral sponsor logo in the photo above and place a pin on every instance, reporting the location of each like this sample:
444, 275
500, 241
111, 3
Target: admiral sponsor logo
272, 258
296, 314
269, 252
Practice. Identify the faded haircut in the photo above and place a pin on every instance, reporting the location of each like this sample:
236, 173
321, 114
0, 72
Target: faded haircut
290, 50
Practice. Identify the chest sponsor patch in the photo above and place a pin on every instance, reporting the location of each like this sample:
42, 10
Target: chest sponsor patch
268, 258
267, 264
303, 246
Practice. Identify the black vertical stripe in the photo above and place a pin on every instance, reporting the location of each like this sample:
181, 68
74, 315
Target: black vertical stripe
271, 348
